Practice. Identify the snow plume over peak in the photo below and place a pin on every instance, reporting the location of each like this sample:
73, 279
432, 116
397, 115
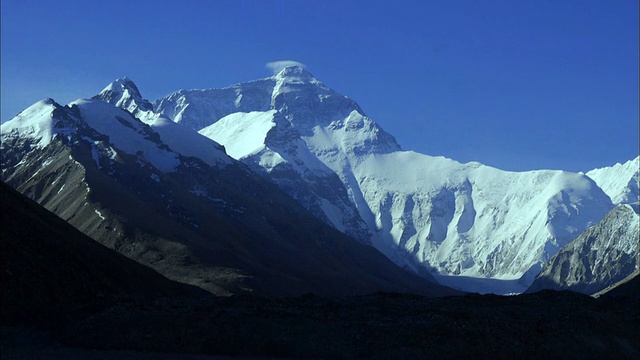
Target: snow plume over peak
277, 66
295, 72
124, 94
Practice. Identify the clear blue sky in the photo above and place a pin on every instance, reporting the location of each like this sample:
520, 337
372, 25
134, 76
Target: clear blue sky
514, 84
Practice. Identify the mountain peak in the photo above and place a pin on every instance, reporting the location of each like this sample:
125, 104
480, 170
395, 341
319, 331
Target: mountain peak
36, 122
294, 71
123, 84
125, 94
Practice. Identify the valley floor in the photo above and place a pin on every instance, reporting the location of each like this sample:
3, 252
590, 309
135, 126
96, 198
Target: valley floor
382, 326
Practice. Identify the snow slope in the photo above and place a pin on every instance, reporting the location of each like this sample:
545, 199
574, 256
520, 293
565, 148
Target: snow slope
473, 220
198, 109
125, 132
243, 133
36, 122
619, 181
269, 144
46, 119
430, 214
124, 94
470, 220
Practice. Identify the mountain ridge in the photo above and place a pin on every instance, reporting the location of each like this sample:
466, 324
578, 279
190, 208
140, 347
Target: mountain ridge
619, 181
338, 134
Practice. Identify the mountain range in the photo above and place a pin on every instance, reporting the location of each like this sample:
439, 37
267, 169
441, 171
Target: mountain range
463, 223
282, 186
218, 226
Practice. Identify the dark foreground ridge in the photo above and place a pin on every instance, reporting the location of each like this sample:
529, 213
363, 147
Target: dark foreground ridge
384, 325
65, 296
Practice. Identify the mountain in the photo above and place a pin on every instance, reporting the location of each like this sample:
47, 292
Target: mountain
123, 93
207, 221
619, 181
601, 256
272, 145
474, 227
50, 267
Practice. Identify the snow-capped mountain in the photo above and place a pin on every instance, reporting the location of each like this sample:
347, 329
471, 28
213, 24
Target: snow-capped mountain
123, 93
601, 256
430, 214
202, 219
472, 226
279, 151
619, 181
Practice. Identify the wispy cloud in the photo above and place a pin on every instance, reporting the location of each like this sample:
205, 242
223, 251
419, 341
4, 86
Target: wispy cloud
277, 66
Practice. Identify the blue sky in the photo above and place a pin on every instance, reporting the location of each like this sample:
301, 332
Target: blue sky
519, 85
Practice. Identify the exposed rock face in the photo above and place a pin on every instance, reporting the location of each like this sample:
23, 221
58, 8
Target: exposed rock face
601, 256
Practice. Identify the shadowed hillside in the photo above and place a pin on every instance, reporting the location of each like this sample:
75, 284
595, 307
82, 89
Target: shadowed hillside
49, 267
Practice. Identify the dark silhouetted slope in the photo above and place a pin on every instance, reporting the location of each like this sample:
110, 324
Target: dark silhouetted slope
49, 266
